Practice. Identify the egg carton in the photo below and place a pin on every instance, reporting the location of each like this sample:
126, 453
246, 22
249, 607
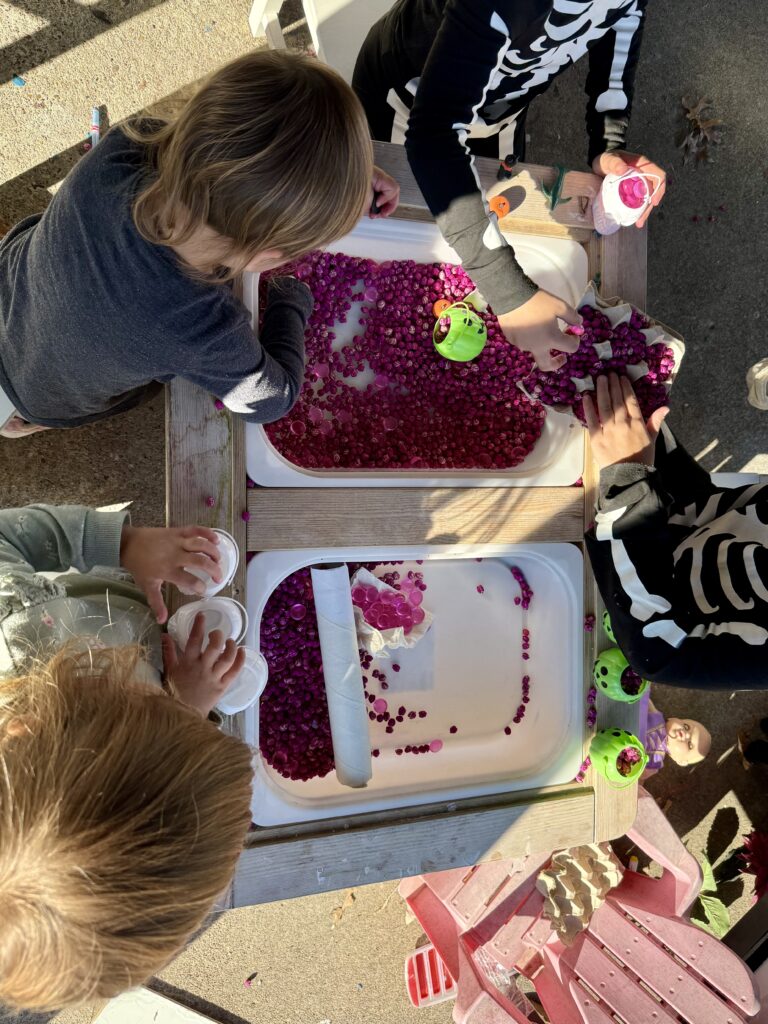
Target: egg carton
575, 885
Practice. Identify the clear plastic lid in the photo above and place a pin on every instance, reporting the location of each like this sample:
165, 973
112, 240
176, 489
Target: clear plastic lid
248, 686
230, 559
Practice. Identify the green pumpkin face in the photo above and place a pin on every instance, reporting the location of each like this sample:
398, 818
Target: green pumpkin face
466, 337
614, 677
608, 628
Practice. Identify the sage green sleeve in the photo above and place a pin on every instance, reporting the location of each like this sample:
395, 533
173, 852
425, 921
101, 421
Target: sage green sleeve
48, 538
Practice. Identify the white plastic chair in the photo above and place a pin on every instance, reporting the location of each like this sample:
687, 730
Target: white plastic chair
337, 27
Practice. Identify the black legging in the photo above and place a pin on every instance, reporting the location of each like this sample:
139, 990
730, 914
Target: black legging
372, 80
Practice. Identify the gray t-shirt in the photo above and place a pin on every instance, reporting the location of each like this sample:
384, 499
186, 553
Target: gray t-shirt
91, 314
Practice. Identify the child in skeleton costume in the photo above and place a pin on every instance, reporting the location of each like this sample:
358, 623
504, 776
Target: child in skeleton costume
459, 76
682, 565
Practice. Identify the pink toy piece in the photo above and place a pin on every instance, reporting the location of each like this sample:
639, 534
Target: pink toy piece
427, 979
380, 705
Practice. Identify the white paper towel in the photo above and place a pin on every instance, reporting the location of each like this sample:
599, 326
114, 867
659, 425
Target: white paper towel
343, 676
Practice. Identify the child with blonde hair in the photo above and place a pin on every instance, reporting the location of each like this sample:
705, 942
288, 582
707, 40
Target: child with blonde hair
125, 281
123, 809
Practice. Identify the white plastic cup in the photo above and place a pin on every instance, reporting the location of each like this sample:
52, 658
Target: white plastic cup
222, 613
229, 561
248, 686
622, 200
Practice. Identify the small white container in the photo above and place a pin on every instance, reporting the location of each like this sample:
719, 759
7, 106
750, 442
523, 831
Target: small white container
622, 200
248, 686
230, 559
222, 613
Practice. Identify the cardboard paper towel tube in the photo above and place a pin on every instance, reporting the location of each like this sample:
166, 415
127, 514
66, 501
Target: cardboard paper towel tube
343, 676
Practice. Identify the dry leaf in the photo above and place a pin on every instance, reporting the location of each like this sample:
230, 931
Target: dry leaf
699, 131
338, 912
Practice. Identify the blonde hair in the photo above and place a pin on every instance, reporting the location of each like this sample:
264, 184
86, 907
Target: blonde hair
272, 152
122, 814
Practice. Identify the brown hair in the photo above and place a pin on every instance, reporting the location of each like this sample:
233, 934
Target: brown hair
122, 814
272, 152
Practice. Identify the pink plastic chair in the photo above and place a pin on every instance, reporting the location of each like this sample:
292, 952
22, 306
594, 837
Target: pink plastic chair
640, 961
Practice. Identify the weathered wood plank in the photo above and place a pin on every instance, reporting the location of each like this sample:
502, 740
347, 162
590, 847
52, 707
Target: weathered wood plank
615, 809
354, 852
205, 458
322, 517
623, 265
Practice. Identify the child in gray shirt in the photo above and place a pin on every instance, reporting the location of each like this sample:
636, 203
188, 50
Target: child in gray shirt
125, 281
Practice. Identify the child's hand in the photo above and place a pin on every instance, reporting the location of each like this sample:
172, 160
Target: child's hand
154, 556
617, 431
619, 162
533, 327
203, 671
384, 196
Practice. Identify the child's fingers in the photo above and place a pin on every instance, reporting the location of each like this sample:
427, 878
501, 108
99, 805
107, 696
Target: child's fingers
657, 417
590, 415
199, 531
617, 397
235, 668
203, 546
604, 404
227, 659
154, 593
653, 203
196, 637
630, 398
198, 560
214, 649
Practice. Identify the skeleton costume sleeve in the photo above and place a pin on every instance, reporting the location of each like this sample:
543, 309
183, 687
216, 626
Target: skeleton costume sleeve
611, 80
489, 59
682, 566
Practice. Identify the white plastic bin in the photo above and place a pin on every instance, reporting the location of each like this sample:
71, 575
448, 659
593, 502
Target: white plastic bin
557, 264
466, 672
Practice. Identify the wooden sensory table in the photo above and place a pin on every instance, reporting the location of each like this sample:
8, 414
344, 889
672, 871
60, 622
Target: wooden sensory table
205, 457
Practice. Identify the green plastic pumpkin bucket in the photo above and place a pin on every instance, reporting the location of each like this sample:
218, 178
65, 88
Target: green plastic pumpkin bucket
608, 628
459, 334
614, 677
606, 748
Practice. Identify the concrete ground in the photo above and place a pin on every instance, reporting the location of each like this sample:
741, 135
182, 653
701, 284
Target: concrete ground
706, 278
